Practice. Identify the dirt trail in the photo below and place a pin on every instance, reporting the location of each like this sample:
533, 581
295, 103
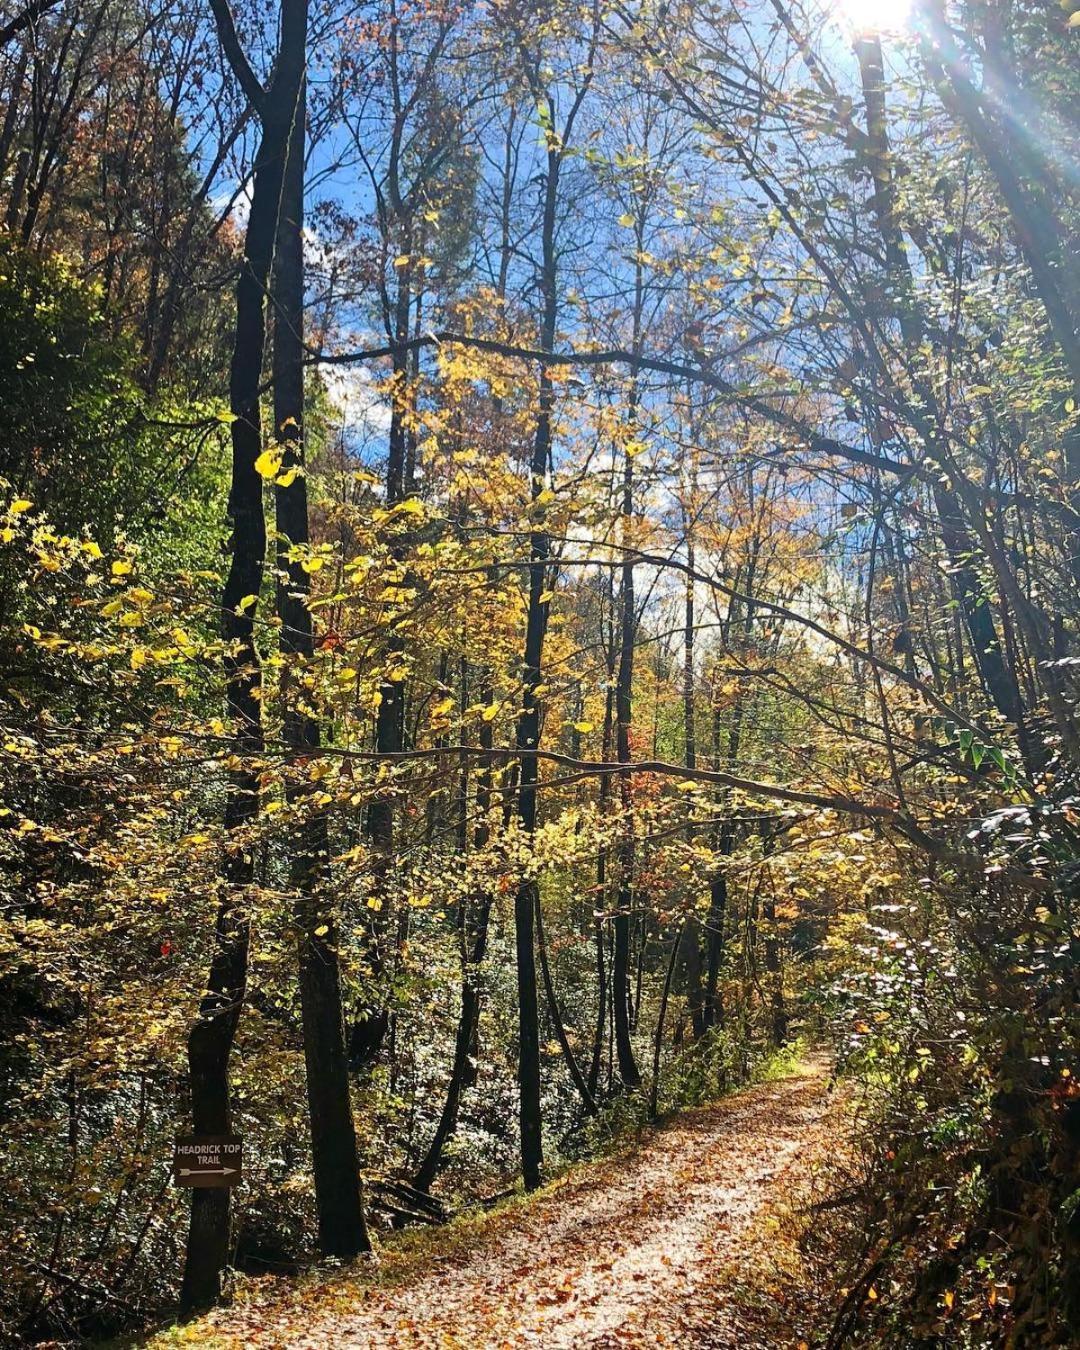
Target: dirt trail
636, 1250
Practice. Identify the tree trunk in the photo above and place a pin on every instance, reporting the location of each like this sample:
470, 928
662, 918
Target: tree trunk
658, 1039
369, 1028
528, 725
620, 977
342, 1229
469, 1017
211, 1039
556, 1018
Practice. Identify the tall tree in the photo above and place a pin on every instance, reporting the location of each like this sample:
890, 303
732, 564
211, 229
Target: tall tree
342, 1227
557, 128
211, 1040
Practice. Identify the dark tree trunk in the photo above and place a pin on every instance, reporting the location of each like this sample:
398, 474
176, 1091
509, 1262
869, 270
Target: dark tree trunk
528, 724
713, 1003
620, 977
475, 949
778, 1021
600, 908
211, 1038
370, 1026
556, 1018
658, 1039
342, 1230
691, 938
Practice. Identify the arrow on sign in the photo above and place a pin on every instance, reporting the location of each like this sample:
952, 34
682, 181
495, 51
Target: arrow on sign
207, 1171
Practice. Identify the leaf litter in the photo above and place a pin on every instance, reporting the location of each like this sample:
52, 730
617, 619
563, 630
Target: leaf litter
673, 1243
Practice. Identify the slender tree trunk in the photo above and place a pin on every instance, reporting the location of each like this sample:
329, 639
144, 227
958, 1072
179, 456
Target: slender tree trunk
620, 988
556, 1018
658, 1039
778, 1021
471, 994
620, 976
691, 940
713, 1009
600, 908
342, 1230
369, 1028
528, 725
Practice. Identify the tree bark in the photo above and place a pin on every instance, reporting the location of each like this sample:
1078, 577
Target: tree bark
342, 1228
658, 1039
211, 1039
528, 724
471, 991
556, 1018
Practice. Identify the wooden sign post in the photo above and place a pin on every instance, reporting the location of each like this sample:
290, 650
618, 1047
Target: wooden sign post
208, 1160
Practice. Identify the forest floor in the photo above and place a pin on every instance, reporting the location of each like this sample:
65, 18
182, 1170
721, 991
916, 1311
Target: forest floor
685, 1238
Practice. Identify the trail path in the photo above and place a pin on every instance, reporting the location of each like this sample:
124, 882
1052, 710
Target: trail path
639, 1250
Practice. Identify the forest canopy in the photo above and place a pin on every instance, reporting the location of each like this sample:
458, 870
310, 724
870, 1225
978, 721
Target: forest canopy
539, 559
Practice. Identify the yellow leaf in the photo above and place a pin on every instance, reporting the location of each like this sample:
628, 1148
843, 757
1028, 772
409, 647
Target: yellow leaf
312, 564
269, 462
583, 727
20, 505
288, 478
247, 602
121, 568
626, 220
687, 785
113, 607
402, 260
32, 631
490, 712
322, 930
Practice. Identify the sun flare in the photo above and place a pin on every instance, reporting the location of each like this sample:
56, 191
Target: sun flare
873, 16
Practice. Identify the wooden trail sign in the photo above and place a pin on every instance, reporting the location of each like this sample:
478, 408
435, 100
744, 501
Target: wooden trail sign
207, 1160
